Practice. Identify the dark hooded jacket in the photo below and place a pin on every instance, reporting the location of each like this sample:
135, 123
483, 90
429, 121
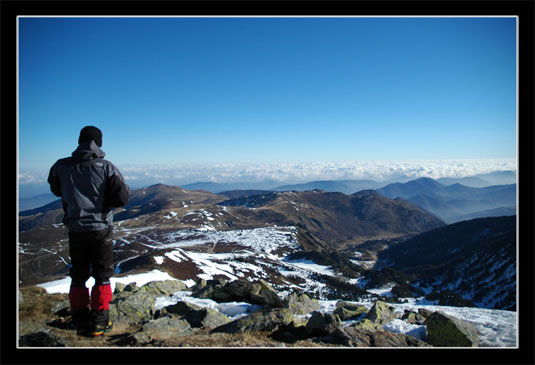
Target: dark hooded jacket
89, 186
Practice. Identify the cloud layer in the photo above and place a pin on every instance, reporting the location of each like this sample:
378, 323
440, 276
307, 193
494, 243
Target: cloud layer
303, 172
32, 182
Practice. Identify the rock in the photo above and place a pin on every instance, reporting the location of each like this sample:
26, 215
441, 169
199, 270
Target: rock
264, 284
132, 308
164, 287
210, 318
264, 320
348, 311
357, 337
201, 283
132, 287
290, 332
205, 292
321, 324
61, 307
161, 329
413, 318
42, 339
267, 297
238, 290
182, 308
381, 313
241, 290
300, 303
446, 331
198, 316
366, 324
389, 339
119, 288
216, 282
220, 294
424, 312
349, 336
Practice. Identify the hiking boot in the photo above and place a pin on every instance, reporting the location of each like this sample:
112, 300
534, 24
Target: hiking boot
81, 321
100, 323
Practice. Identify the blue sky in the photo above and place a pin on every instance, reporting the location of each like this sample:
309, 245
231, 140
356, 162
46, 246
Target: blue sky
268, 90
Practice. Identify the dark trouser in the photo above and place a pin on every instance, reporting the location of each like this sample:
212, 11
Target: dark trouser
91, 255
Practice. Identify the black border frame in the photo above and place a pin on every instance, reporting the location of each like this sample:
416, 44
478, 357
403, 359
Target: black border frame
524, 9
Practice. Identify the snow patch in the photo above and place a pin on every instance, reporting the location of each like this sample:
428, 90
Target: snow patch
63, 285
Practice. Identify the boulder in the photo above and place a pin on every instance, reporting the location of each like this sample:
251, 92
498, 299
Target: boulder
381, 313
161, 329
424, 312
220, 294
241, 290
132, 308
215, 282
357, 337
268, 297
366, 324
259, 292
265, 320
132, 287
290, 332
201, 283
348, 311
300, 303
119, 288
164, 287
182, 308
198, 316
322, 324
204, 292
210, 318
447, 331
413, 317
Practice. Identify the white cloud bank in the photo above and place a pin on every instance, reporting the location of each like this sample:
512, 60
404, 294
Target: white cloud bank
138, 175
304, 172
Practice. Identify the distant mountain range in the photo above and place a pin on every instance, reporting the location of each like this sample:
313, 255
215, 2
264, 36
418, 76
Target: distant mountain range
450, 203
455, 202
29, 200
36, 201
341, 186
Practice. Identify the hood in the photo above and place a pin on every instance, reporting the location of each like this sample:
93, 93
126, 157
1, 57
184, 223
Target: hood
88, 151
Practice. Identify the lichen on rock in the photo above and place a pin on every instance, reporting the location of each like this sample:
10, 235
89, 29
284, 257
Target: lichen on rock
446, 331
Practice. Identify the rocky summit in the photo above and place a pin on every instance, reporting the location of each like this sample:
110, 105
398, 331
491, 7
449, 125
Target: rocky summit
141, 320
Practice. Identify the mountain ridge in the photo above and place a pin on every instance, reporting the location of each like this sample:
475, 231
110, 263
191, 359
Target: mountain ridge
475, 259
325, 221
452, 203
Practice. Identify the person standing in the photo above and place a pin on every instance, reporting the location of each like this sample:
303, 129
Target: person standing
89, 187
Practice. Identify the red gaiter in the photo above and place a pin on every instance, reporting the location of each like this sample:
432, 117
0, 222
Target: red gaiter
101, 297
79, 297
